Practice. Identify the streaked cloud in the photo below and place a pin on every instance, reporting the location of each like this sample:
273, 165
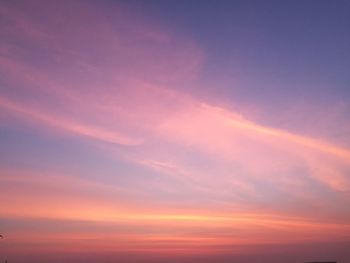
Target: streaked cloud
187, 173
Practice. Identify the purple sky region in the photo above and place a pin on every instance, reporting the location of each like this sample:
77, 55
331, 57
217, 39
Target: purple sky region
177, 131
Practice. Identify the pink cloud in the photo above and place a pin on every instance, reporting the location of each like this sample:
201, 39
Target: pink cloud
122, 85
66, 125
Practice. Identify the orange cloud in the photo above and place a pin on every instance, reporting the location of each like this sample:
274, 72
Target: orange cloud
208, 179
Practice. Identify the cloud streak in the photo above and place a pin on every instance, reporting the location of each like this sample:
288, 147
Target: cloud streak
177, 172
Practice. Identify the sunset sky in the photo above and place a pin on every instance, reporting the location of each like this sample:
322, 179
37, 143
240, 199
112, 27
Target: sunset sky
174, 131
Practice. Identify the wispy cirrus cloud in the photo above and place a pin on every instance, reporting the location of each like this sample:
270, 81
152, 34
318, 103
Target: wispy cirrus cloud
202, 169
66, 125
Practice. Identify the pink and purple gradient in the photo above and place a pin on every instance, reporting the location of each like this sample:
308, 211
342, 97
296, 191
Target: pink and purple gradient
140, 132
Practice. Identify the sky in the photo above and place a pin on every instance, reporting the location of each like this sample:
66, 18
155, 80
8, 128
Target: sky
174, 131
